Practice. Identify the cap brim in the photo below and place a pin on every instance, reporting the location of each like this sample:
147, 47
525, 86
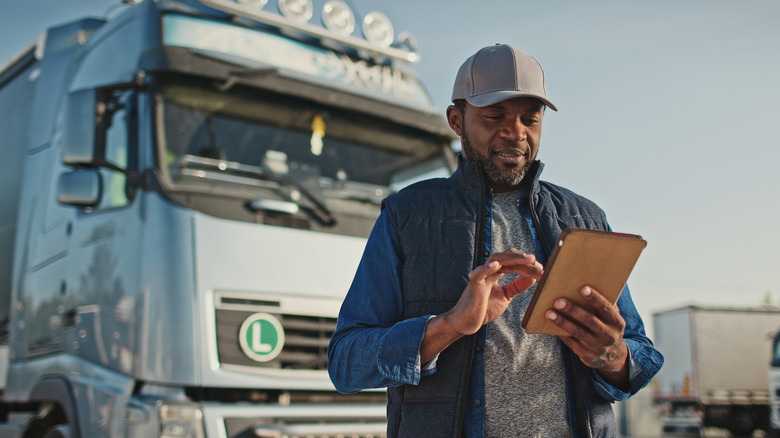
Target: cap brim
488, 99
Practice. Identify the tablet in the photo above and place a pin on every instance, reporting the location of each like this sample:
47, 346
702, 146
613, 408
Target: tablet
600, 259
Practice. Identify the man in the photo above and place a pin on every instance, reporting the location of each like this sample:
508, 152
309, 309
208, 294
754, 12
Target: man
434, 311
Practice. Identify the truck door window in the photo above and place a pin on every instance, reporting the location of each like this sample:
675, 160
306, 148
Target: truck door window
116, 128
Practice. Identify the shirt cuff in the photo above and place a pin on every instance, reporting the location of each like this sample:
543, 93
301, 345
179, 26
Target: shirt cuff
610, 392
398, 358
430, 366
633, 368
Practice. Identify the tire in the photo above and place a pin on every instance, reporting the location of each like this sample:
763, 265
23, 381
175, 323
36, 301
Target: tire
58, 431
742, 424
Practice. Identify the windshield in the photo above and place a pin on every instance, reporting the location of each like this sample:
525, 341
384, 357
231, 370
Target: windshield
275, 158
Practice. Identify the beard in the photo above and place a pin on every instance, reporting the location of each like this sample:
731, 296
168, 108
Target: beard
495, 176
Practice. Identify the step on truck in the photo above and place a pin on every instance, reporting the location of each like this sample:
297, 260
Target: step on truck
187, 190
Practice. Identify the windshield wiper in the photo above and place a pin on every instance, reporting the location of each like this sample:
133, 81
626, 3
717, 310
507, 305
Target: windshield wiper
315, 208
354, 191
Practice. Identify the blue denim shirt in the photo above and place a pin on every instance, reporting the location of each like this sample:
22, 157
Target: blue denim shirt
375, 347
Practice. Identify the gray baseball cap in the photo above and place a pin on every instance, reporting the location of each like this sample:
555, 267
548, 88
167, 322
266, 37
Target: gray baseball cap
497, 73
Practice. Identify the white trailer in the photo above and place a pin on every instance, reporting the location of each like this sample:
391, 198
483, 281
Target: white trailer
774, 387
715, 373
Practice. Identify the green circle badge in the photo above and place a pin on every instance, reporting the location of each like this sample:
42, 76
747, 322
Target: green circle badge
261, 337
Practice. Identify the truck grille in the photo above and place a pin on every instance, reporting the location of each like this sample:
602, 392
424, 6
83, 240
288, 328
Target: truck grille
305, 347
303, 428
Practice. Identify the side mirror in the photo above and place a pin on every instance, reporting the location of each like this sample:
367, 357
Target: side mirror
79, 128
81, 188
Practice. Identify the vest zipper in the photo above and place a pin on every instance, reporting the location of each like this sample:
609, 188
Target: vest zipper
581, 409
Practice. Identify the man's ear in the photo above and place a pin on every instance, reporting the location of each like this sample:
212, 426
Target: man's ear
455, 119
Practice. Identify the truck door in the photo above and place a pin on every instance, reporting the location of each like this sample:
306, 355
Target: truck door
104, 239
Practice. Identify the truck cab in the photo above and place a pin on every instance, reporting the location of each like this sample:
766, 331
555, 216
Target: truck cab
774, 387
193, 183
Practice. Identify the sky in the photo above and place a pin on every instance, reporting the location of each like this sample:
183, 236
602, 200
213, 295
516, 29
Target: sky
666, 119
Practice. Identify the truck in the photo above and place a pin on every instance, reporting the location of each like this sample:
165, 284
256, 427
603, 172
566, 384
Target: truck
774, 386
715, 369
187, 188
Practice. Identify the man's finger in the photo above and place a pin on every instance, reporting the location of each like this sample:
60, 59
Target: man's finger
579, 316
519, 286
482, 272
524, 267
524, 271
602, 308
568, 325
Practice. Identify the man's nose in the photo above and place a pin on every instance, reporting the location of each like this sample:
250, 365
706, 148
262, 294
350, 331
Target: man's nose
513, 130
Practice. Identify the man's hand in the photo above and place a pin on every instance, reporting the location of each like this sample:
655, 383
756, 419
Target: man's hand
596, 335
482, 301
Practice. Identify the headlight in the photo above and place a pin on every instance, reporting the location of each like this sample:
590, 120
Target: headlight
181, 421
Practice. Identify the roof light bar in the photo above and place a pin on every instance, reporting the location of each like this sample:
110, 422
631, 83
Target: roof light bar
378, 29
258, 4
406, 39
338, 17
299, 11
381, 30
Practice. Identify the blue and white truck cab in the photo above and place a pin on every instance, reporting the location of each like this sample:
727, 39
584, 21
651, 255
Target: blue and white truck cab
187, 190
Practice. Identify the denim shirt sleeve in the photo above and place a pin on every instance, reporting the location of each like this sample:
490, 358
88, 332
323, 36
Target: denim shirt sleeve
373, 346
644, 359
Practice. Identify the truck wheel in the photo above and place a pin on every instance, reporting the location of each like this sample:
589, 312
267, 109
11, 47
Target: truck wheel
58, 431
742, 424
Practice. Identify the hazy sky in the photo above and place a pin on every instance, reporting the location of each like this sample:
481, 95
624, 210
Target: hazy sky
666, 119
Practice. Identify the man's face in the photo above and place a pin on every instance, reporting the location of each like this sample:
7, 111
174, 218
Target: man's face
503, 138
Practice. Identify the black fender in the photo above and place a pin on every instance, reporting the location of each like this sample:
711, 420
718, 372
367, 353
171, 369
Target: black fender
59, 390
